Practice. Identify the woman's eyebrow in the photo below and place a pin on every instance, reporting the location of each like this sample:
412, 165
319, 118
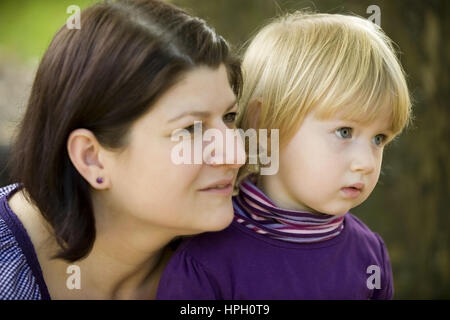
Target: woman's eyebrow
201, 114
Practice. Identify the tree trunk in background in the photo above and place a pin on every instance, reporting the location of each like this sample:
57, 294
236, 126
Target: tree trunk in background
419, 164
4, 179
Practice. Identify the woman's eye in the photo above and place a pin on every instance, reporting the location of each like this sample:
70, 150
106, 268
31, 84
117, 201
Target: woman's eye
344, 133
230, 117
379, 139
192, 127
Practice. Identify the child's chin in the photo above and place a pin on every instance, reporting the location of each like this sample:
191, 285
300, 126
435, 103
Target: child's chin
336, 211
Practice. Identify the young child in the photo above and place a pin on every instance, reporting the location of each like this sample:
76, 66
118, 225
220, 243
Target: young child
334, 88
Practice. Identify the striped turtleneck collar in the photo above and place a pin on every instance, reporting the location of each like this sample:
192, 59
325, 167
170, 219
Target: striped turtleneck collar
256, 211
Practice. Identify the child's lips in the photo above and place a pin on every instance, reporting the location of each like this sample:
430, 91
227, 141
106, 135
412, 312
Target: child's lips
353, 190
358, 185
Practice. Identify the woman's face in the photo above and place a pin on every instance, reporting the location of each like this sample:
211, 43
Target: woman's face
144, 180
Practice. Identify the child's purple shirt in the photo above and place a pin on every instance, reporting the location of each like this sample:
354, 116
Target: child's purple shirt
238, 263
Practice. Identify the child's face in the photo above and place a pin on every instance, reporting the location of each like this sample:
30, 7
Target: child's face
324, 159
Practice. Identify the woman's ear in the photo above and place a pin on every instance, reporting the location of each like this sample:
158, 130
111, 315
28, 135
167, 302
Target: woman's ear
85, 153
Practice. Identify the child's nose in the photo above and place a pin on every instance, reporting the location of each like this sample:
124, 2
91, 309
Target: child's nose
363, 160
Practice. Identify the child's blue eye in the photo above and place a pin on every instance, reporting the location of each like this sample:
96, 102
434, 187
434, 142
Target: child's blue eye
344, 133
379, 139
230, 117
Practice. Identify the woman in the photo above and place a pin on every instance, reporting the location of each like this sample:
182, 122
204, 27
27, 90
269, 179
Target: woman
99, 197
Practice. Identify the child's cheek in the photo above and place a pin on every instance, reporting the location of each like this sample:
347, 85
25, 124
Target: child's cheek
336, 145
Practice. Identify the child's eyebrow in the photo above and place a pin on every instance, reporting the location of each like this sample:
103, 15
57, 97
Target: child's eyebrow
386, 130
201, 114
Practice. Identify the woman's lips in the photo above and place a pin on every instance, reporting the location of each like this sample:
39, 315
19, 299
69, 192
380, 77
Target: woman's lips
226, 189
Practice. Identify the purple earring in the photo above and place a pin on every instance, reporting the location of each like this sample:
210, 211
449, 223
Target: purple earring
99, 180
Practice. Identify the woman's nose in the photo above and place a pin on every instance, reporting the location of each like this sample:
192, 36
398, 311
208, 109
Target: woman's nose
226, 149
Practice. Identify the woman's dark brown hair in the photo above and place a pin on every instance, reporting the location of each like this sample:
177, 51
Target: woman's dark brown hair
102, 77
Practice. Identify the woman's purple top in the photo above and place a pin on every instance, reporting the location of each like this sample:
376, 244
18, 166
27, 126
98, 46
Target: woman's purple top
238, 263
20, 273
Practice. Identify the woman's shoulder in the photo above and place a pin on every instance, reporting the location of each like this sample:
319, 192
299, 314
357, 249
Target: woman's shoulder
17, 280
6, 190
16, 277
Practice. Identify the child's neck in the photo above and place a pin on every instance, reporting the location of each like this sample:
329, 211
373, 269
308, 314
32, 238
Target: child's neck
278, 193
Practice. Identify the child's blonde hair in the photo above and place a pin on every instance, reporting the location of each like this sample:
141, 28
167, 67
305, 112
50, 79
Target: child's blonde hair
328, 63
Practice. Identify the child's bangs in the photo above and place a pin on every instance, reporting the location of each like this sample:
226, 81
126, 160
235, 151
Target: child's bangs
368, 86
363, 104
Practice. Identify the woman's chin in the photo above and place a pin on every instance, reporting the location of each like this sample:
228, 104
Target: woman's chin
220, 220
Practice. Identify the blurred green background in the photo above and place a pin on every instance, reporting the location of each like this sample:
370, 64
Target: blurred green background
409, 206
